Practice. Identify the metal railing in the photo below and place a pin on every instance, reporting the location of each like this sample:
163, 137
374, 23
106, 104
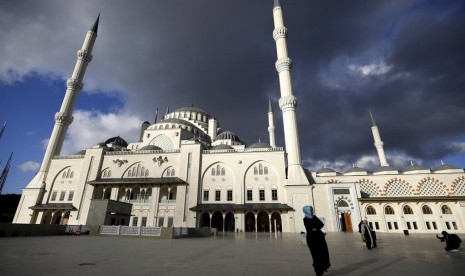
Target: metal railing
120, 230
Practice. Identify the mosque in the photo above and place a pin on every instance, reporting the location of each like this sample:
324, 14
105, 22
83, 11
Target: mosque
185, 171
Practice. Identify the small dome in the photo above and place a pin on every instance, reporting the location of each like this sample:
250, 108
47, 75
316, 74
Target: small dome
446, 167
228, 135
385, 170
325, 170
117, 141
222, 147
81, 152
413, 168
260, 145
146, 123
150, 147
355, 169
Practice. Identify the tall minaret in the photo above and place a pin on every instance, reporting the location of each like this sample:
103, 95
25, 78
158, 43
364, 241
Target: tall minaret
287, 102
271, 125
34, 192
378, 143
64, 117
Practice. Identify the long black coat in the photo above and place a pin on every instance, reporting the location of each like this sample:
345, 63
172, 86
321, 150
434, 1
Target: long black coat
317, 244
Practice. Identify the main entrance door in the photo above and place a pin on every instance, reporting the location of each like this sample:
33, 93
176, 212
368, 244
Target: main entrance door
346, 222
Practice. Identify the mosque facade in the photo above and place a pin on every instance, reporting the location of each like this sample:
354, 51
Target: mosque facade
186, 171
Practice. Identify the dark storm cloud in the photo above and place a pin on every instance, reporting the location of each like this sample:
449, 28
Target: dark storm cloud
219, 56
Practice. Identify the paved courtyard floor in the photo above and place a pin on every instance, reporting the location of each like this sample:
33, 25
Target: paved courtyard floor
229, 254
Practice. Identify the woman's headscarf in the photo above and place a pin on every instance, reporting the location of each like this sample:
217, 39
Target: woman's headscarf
308, 211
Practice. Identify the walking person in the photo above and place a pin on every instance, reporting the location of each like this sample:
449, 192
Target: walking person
370, 238
362, 235
316, 241
452, 241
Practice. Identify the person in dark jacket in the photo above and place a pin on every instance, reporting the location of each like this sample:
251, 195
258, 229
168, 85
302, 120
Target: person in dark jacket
316, 241
370, 237
452, 240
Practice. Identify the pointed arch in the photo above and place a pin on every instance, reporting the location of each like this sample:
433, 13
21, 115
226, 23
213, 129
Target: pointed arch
430, 186
398, 187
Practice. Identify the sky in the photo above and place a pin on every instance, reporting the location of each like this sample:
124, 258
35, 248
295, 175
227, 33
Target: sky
402, 60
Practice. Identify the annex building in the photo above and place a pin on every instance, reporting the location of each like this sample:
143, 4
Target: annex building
186, 171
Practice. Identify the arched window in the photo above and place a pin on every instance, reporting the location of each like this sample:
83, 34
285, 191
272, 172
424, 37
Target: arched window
222, 171
260, 169
446, 210
213, 171
426, 210
130, 173
265, 170
371, 210
255, 170
342, 203
109, 173
408, 210
388, 210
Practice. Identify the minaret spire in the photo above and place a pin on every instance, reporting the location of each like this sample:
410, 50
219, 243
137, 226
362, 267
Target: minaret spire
271, 127
378, 143
94, 28
63, 118
287, 102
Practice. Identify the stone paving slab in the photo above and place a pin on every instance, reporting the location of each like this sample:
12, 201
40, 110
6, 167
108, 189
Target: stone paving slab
229, 254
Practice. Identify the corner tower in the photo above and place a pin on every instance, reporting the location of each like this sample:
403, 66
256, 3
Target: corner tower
34, 191
287, 102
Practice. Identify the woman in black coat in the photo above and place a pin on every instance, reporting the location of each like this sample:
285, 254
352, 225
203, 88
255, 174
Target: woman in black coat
316, 241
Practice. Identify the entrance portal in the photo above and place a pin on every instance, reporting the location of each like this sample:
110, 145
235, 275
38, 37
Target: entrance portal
346, 222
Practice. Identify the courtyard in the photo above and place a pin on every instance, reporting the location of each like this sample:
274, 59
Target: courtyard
225, 254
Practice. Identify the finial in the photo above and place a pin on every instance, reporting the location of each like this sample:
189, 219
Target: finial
167, 109
373, 123
411, 163
442, 162
95, 26
353, 165
270, 109
276, 4
259, 140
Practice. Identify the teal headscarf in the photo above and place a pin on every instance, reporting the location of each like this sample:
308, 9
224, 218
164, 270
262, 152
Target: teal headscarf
308, 211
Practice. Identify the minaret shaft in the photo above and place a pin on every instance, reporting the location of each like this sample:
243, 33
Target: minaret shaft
287, 102
64, 117
271, 127
378, 143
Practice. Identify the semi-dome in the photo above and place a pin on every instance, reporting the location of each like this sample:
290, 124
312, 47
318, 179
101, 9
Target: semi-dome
150, 147
222, 147
117, 141
260, 145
